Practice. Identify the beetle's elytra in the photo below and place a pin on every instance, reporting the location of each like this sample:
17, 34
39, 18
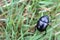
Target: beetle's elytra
42, 23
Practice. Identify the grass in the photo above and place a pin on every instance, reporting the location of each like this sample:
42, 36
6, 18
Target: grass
21, 18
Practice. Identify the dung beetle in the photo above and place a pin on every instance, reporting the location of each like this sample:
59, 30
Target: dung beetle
42, 23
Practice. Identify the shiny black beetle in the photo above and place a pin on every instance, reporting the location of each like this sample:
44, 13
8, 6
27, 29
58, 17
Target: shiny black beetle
42, 23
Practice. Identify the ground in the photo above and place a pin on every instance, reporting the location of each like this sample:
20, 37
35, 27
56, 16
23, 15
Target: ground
19, 18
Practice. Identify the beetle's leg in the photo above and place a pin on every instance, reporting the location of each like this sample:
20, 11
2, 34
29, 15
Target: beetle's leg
45, 33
